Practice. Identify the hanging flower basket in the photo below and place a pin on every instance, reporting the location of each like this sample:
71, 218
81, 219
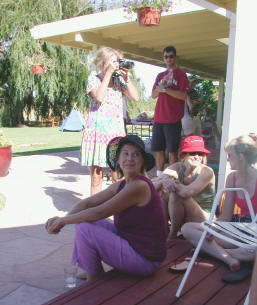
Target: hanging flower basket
5, 159
148, 16
38, 69
148, 11
39, 62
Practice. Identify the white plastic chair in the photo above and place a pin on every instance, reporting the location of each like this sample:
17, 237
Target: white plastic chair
246, 233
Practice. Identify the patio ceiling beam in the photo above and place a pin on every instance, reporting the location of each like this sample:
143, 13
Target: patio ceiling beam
81, 23
118, 44
221, 55
162, 41
190, 19
147, 54
207, 44
214, 8
88, 22
194, 52
182, 34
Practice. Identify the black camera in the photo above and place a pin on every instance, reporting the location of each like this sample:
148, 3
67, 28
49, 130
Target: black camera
126, 64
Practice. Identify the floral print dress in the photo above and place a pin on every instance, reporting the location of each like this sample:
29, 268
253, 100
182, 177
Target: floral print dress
105, 121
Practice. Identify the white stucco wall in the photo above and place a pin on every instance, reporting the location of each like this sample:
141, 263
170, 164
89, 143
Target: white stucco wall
240, 111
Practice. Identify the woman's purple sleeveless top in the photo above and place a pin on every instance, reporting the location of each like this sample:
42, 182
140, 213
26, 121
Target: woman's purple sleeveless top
144, 227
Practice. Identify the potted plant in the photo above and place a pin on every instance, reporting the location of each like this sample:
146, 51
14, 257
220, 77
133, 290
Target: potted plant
39, 63
5, 154
148, 11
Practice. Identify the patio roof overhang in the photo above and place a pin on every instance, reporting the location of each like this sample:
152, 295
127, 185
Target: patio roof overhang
199, 35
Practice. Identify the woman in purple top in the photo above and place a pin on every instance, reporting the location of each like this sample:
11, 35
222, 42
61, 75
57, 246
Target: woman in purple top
136, 242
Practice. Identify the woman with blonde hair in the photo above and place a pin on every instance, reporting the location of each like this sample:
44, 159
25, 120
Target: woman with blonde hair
187, 187
105, 120
242, 156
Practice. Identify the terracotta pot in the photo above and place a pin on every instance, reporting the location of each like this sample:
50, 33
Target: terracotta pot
38, 69
5, 159
148, 16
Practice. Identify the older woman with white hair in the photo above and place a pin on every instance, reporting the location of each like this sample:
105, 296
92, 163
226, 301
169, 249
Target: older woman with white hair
105, 120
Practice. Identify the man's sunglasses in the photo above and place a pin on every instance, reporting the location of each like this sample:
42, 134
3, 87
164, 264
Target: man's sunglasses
169, 56
198, 153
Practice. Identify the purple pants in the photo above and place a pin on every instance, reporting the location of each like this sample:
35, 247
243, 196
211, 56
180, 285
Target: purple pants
99, 241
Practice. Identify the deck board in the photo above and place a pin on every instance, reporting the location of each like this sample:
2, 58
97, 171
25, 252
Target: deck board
166, 295
231, 293
149, 285
204, 286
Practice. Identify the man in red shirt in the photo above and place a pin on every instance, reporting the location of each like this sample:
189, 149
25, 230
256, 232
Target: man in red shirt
170, 89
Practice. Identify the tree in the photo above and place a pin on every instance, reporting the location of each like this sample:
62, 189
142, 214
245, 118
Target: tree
207, 91
62, 86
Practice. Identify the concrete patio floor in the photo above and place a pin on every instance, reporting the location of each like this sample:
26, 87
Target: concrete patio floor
32, 261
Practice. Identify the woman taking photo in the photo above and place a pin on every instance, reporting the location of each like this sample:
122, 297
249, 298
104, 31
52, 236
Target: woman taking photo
105, 120
242, 156
187, 187
136, 242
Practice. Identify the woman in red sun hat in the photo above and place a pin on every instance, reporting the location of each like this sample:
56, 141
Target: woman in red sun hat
187, 187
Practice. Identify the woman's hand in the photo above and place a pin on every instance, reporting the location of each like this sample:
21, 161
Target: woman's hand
54, 225
124, 74
180, 189
169, 183
158, 185
111, 68
112, 65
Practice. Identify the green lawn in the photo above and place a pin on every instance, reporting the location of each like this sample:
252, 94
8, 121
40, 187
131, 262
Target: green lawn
35, 140
41, 140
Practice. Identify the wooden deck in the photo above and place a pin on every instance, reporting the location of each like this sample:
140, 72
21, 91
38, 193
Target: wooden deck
204, 286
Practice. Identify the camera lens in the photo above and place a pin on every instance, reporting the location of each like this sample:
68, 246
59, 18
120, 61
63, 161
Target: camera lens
126, 64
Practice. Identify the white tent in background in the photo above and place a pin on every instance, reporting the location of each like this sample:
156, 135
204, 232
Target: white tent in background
74, 121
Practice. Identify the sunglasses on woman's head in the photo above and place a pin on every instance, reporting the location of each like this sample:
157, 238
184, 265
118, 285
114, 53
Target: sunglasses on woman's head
196, 153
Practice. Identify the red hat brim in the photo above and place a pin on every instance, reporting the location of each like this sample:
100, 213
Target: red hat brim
186, 150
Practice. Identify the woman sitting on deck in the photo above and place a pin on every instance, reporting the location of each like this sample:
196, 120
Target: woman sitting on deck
242, 156
187, 187
136, 242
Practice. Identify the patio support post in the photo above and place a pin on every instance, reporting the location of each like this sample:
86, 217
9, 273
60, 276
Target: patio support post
240, 100
220, 104
227, 105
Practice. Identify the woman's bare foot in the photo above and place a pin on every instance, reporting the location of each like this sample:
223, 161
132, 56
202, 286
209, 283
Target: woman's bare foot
241, 254
234, 265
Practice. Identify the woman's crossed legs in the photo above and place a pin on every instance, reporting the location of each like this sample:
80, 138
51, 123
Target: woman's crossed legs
99, 241
217, 248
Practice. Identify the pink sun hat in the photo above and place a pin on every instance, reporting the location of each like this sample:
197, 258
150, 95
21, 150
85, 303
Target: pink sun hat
193, 144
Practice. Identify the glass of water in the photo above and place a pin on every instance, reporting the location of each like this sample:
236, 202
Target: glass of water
70, 276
